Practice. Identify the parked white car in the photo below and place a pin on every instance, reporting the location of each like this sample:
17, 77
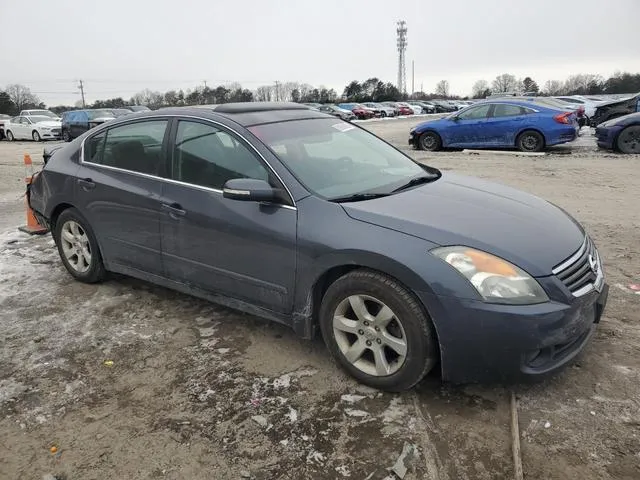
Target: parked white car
577, 100
34, 128
39, 113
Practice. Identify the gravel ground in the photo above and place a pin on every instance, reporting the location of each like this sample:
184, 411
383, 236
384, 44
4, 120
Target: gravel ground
128, 380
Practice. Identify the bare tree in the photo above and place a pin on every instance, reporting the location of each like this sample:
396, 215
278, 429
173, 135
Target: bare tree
582, 83
553, 87
480, 89
504, 83
265, 93
442, 88
21, 96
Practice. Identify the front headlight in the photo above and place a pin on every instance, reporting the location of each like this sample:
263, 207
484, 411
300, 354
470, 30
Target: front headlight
495, 279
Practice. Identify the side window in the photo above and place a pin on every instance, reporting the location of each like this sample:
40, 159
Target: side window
136, 147
504, 110
94, 148
207, 156
475, 113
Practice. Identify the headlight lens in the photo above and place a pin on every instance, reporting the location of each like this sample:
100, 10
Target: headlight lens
495, 279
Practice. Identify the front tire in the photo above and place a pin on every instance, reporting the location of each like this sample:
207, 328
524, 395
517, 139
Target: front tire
530, 141
78, 247
10, 136
629, 140
430, 141
377, 331
36, 136
66, 136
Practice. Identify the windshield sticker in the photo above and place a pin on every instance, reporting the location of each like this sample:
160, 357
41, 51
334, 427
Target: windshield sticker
343, 127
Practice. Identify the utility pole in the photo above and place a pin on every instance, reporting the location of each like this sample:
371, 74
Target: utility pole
205, 83
421, 87
81, 87
413, 76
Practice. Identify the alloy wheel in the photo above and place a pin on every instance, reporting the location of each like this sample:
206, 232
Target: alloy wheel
76, 246
629, 140
530, 142
369, 335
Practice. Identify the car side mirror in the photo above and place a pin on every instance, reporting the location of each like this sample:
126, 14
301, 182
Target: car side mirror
455, 118
249, 190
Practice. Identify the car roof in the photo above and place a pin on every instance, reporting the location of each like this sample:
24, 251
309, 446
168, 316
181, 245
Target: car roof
244, 113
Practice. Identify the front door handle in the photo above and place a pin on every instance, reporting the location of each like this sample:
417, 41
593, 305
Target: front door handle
86, 184
174, 210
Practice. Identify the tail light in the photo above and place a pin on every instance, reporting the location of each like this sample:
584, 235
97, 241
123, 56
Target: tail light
563, 118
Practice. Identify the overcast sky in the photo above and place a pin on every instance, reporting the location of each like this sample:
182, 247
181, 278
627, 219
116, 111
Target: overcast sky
119, 47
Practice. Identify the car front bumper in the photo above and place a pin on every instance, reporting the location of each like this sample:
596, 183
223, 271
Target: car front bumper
482, 342
606, 136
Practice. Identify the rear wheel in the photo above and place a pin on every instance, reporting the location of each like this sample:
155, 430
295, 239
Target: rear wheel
629, 140
530, 141
10, 136
430, 141
377, 331
78, 247
36, 136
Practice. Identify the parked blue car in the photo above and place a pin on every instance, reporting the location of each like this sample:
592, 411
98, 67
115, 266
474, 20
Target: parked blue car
621, 134
528, 126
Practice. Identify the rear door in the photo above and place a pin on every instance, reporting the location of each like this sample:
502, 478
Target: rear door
118, 189
243, 250
469, 128
504, 124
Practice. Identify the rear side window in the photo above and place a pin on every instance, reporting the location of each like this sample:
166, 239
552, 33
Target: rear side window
207, 156
502, 110
136, 147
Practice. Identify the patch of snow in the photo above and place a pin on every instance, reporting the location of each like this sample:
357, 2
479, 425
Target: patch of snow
292, 415
349, 398
356, 413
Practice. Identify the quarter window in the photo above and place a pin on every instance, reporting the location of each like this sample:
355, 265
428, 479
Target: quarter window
208, 156
476, 113
504, 110
136, 147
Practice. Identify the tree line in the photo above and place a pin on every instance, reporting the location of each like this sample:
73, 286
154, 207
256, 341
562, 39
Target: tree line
19, 97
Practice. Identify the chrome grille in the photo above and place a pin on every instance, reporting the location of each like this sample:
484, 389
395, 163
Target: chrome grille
55, 131
581, 272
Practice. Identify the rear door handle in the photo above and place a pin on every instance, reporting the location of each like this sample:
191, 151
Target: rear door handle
86, 184
174, 210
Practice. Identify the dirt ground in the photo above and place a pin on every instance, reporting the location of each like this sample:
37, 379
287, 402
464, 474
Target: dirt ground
131, 381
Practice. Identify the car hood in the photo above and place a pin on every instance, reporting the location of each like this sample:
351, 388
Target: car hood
614, 102
457, 210
436, 122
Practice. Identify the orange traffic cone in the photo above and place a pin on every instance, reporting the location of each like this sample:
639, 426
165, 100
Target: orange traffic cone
32, 227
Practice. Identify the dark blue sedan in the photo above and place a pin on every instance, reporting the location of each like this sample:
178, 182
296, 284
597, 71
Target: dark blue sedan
621, 134
302, 218
526, 125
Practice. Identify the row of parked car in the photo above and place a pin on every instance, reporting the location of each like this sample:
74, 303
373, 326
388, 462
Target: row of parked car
368, 110
39, 124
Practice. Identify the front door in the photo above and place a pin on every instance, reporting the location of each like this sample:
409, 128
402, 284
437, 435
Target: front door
469, 128
118, 189
21, 130
243, 250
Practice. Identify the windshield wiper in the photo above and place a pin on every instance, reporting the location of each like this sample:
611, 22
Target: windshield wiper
358, 197
416, 181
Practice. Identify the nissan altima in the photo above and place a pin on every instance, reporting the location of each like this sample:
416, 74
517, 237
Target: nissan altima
301, 218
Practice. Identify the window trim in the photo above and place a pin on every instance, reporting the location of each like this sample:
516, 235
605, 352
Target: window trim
171, 128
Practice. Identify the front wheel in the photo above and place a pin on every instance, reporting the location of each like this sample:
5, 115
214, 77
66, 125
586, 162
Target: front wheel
10, 136
430, 141
377, 331
530, 141
629, 140
36, 136
383, 114
78, 247
66, 136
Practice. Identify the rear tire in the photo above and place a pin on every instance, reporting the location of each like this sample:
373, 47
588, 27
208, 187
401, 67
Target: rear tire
386, 340
430, 141
78, 247
629, 140
10, 136
530, 141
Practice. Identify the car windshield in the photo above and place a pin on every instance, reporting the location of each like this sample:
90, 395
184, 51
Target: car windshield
335, 159
93, 114
39, 118
42, 113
